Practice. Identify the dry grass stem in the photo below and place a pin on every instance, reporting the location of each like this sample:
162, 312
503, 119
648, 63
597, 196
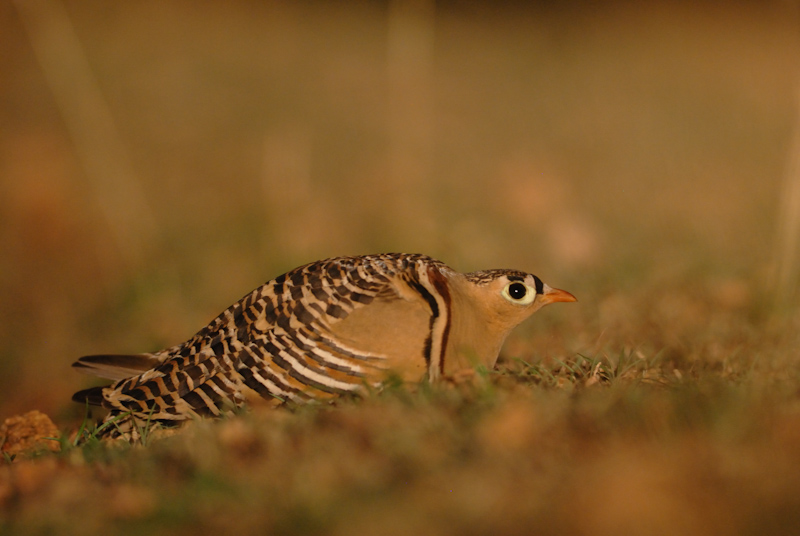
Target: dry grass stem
788, 242
89, 119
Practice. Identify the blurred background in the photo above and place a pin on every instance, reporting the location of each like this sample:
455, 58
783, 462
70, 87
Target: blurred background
160, 159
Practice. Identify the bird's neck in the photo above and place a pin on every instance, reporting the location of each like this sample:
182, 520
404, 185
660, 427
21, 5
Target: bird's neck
473, 340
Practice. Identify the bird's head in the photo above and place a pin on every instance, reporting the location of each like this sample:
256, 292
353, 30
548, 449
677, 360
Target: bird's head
512, 296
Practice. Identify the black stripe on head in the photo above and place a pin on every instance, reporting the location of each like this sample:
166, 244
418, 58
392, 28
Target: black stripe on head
539, 285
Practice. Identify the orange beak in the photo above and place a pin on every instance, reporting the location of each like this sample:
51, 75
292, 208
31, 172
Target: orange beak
552, 295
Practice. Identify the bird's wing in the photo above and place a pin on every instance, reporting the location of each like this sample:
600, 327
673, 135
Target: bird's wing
332, 326
320, 330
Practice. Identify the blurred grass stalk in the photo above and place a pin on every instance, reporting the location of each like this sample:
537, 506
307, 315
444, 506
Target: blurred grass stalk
410, 63
410, 67
91, 126
787, 261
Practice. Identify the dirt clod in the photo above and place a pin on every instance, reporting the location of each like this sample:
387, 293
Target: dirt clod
27, 434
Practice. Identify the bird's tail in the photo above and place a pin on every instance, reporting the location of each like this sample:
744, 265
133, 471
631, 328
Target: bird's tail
92, 396
116, 367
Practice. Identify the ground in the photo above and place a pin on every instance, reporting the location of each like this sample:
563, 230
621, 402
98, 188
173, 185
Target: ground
638, 155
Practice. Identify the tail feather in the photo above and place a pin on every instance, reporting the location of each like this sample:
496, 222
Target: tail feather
93, 396
115, 367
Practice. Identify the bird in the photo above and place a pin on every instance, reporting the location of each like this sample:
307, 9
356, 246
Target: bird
339, 326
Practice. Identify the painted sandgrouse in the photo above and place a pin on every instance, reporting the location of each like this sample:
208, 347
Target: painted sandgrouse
321, 330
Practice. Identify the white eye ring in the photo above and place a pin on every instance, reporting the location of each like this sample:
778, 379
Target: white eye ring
519, 296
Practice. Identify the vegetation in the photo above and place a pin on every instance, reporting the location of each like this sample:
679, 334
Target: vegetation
582, 446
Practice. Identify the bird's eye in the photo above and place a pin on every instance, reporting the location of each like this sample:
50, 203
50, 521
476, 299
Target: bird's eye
519, 293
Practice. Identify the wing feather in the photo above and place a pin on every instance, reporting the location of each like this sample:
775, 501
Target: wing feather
318, 331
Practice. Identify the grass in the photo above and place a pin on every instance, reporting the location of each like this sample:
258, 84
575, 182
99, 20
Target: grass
571, 447
631, 154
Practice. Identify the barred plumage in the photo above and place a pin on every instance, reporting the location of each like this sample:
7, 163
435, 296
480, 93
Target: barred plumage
325, 329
